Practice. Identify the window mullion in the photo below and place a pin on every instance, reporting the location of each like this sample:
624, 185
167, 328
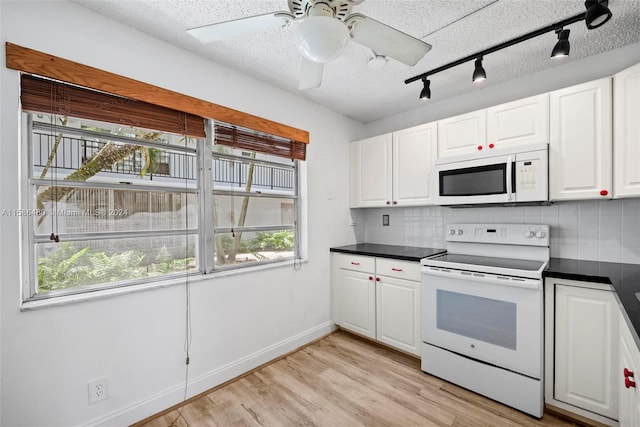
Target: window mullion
296, 208
255, 228
205, 162
29, 275
68, 130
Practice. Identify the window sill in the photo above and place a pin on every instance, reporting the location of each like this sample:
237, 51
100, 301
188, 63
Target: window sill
37, 304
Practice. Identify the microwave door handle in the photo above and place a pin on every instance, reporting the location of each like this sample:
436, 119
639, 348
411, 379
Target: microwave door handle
509, 178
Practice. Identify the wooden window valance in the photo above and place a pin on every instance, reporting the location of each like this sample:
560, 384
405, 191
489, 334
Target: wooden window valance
43, 64
53, 97
247, 139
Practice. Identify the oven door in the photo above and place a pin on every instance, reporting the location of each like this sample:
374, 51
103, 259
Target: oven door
491, 318
487, 180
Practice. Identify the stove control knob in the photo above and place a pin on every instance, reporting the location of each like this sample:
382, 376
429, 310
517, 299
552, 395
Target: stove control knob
528, 234
452, 232
540, 234
460, 231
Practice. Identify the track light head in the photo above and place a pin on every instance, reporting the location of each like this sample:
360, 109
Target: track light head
562, 47
597, 13
425, 93
478, 73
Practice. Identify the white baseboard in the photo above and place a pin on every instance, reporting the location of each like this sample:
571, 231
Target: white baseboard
167, 398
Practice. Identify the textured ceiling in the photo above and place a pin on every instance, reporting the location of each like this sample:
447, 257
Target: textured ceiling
455, 29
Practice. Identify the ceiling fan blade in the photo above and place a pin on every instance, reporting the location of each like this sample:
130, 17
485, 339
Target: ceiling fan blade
239, 27
310, 74
385, 40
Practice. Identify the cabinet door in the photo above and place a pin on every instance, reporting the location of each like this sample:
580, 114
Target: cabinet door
462, 134
580, 142
525, 121
357, 302
414, 153
586, 337
370, 172
626, 133
339, 263
629, 396
398, 310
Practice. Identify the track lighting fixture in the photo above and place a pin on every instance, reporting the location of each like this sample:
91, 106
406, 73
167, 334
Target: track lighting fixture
562, 47
479, 74
596, 14
425, 93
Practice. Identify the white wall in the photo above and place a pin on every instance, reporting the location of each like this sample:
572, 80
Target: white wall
136, 340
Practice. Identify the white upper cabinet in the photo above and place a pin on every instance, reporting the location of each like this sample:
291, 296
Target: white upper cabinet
462, 134
525, 121
626, 133
394, 169
580, 149
370, 172
414, 153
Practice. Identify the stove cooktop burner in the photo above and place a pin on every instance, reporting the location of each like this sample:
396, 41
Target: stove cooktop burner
483, 261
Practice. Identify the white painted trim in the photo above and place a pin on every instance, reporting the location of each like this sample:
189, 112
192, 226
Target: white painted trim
142, 409
54, 301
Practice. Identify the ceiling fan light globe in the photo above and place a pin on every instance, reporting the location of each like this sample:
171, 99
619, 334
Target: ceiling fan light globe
322, 38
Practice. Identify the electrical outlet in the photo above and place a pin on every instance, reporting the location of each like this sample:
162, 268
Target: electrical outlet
385, 220
97, 390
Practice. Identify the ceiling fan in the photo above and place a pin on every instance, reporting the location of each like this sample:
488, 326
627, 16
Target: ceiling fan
323, 31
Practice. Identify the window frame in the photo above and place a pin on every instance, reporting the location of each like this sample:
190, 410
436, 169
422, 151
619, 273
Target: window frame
295, 198
204, 191
30, 183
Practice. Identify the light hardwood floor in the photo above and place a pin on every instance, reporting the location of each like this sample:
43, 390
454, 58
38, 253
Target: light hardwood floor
343, 380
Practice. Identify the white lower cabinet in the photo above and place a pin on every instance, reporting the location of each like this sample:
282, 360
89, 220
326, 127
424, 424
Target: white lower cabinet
627, 378
398, 304
581, 349
378, 298
358, 302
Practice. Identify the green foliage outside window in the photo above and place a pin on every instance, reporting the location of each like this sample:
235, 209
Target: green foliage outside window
70, 267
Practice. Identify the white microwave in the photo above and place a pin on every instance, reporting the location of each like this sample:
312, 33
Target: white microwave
506, 176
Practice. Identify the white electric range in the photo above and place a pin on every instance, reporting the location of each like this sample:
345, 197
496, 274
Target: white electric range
482, 312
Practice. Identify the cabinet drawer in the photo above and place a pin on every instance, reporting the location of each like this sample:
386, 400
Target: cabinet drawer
357, 263
407, 270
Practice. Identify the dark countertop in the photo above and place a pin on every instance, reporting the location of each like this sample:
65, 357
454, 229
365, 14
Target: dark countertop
623, 278
406, 253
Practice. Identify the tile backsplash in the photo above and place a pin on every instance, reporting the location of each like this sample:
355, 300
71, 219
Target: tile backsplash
600, 230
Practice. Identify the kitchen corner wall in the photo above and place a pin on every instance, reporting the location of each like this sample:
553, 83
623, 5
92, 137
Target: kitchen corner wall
597, 230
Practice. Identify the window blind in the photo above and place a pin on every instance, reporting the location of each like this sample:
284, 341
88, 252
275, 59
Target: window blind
54, 97
247, 139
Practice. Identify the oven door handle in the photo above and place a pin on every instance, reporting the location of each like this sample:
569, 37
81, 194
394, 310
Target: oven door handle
492, 279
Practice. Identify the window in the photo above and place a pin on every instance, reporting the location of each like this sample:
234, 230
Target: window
254, 207
113, 204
